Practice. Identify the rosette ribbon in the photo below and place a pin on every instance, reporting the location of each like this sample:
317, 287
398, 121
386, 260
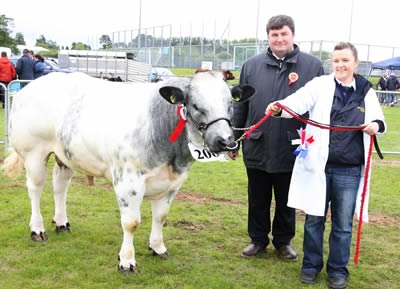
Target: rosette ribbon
181, 124
304, 142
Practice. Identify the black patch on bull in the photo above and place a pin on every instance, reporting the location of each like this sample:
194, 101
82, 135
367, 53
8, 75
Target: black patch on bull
123, 203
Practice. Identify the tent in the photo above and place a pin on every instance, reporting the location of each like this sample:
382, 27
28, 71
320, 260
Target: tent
35, 49
388, 64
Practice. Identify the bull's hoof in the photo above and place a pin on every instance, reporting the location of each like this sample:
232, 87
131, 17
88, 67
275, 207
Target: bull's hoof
39, 237
163, 256
126, 271
64, 228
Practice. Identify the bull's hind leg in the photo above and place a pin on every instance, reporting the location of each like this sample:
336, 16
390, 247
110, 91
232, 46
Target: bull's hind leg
36, 171
61, 179
160, 210
129, 187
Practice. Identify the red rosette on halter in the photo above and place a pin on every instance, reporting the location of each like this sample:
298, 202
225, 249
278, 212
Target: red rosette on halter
181, 110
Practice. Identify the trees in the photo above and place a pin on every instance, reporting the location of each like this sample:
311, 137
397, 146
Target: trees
80, 46
6, 40
106, 41
48, 44
19, 39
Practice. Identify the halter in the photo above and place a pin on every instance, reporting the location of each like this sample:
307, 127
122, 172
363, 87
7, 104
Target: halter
202, 126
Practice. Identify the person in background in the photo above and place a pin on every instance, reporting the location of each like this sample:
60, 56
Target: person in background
7, 74
268, 158
381, 85
330, 173
392, 84
40, 66
25, 67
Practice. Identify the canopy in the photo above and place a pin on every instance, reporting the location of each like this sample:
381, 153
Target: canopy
35, 49
389, 64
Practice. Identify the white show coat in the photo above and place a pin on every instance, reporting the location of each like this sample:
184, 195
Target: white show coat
308, 184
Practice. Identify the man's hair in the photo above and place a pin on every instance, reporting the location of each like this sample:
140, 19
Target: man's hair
278, 21
3, 54
25, 51
347, 45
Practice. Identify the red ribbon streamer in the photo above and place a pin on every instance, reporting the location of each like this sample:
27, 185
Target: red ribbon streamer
180, 126
336, 128
364, 192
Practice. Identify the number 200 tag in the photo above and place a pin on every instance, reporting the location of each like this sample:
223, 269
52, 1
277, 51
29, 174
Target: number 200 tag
202, 154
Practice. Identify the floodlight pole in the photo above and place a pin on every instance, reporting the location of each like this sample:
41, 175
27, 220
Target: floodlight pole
140, 21
351, 19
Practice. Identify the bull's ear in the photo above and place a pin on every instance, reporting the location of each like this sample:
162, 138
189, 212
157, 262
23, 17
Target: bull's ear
172, 94
241, 93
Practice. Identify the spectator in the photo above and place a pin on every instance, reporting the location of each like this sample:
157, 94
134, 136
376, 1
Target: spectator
381, 85
40, 66
329, 174
7, 74
275, 74
392, 85
25, 67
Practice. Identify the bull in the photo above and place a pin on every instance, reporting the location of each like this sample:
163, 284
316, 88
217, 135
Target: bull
119, 131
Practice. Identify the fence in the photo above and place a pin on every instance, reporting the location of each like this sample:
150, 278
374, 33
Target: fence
156, 46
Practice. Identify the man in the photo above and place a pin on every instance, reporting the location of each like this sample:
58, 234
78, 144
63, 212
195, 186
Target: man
25, 67
392, 84
7, 74
275, 74
381, 85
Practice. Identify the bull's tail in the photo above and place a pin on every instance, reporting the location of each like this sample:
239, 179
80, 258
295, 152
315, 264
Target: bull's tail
13, 165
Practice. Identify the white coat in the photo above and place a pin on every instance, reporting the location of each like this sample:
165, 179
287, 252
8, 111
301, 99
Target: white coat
308, 184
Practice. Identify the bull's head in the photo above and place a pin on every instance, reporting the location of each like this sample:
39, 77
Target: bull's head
209, 104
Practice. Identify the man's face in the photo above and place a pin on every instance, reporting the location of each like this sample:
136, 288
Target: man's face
281, 41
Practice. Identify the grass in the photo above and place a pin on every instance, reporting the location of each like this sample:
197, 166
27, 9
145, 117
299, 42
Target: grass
205, 232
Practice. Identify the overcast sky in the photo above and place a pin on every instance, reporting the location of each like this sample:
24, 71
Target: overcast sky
373, 22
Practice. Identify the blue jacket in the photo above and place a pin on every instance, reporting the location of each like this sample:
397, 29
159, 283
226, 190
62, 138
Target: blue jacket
40, 68
25, 68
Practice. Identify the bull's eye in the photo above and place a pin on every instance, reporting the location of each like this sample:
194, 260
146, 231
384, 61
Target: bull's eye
195, 107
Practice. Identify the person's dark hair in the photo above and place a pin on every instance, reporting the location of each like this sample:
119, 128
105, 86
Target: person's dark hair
3, 54
278, 21
347, 45
25, 51
39, 57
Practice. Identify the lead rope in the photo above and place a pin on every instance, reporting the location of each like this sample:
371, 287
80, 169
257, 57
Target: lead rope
336, 128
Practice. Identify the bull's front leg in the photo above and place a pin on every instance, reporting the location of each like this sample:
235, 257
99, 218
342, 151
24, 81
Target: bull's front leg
129, 187
160, 210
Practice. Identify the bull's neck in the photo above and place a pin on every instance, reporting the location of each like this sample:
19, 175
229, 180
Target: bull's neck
164, 120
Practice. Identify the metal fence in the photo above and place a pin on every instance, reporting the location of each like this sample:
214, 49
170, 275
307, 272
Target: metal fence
158, 47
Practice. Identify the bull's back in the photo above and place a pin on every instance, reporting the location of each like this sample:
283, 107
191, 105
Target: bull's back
37, 109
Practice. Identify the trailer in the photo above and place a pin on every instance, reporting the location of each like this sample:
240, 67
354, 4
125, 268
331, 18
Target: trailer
118, 65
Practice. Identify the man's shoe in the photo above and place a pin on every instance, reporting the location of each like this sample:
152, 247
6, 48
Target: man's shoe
287, 253
337, 282
252, 250
308, 277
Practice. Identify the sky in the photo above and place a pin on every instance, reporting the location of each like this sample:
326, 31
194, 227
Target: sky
369, 22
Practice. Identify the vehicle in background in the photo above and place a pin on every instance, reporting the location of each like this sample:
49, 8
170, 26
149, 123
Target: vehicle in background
159, 74
105, 63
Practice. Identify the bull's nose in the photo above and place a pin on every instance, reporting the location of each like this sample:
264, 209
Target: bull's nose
226, 144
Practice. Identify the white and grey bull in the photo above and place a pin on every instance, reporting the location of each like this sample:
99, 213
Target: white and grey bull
118, 131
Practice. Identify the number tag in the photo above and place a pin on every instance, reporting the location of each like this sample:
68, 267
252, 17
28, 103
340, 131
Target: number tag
202, 154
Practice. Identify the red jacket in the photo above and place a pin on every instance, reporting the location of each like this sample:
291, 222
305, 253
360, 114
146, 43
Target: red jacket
7, 70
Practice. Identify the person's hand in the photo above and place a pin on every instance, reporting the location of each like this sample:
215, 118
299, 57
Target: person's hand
233, 154
371, 128
273, 107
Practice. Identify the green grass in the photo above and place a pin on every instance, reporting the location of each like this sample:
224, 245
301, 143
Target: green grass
204, 235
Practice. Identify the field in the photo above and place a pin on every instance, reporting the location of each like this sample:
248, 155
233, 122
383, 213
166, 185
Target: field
204, 234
